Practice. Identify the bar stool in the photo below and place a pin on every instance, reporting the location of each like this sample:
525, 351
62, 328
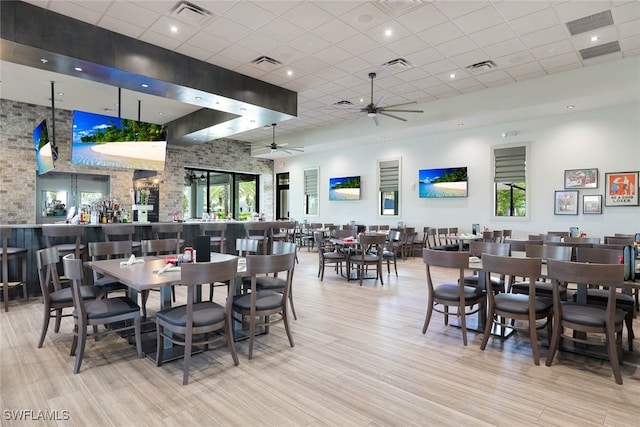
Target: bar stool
115, 232
12, 253
63, 234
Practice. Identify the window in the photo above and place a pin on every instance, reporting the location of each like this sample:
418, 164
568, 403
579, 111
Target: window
510, 181
389, 184
311, 191
223, 194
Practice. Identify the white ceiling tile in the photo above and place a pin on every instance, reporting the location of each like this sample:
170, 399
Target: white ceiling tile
426, 83
407, 45
458, 72
194, 51
225, 62
440, 67
226, 29
497, 83
464, 83
493, 35
605, 35
626, 12
442, 91
552, 49
492, 76
307, 15
357, 44
440, 33
240, 53
378, 33
208, 42
132, 14
536, 21
424, 17
378, 56
287, 55
281, 30
530, 76
308, 43
630, 43
335, 31
470, 58
473, 88
257, 42
100, 6
504, 48
479, 20
524, 69
515, 9
543, 37
365, 16
559, 60
354, 65
75, 10
163, 26
629, 29
453, 9
309, 64
568, 11
333, 55
563, 68
518, 58
120, 27
412, 74
337, 8
456, 47
424, 57
160, 40
249, 14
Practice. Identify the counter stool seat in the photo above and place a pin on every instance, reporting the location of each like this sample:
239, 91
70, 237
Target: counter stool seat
12, 253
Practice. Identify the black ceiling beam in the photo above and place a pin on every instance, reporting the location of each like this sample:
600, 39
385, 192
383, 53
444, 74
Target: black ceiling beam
29, 33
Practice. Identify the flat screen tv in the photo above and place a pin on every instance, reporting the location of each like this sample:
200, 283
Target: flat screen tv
444, 182
344, 188
44, 153
99, 140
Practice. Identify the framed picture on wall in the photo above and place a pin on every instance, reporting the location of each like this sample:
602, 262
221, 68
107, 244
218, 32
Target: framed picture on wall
592, 204
566, 202
581, 178
621, 188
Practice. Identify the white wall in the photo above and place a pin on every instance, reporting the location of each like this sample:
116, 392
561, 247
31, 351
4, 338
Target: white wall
607, 139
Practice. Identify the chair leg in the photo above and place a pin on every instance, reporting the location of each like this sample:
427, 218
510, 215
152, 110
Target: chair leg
533, 337
138, 333
463, 324
628, 319
82, 340
554, 341
45, 325
159, 345
427, 318
188, 339
252, 333
144, 297
293, 309
614, 356
285, 319
230, 342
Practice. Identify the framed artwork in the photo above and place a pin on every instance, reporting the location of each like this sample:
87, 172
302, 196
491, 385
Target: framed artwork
592, 204
621, 188
581, 178
566, 202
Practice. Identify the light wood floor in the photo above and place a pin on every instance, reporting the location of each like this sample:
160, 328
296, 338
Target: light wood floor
360, 360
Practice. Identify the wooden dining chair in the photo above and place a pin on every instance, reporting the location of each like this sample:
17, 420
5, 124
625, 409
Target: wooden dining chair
260, 306
169, 231
259, 231
66, 238
116, 232
158, 247
217, 235
368, 254
275, 282
108, 250
451, 294
392, 249
98, 312
55, 298
327, 255
581, 319
198, 323
544, 289
504, 308
478, 249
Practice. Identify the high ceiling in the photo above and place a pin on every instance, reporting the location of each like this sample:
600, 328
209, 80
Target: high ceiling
324, 51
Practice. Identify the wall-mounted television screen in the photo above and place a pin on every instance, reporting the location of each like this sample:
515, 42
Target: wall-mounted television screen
445, 182
44, 153
118, 143
345, 188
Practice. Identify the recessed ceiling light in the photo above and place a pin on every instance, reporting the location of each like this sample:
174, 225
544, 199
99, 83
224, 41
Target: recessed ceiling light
198, 98
552, 50
571, 107
144, 85
161, 113
78, 69
364, 19
460, 124
388, 32
594, 39
60, 93
452, 75
44, 61
173, 29
289, 73
243, 109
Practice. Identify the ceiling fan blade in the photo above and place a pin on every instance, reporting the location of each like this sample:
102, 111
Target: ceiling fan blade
375, 119
399, 111
379, 102
391, 115
299, 149
399, 105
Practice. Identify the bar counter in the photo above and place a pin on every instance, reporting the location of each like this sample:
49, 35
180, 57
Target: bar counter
30, 236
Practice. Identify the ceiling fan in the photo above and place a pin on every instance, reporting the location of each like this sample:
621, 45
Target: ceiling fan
284, 147
373, 110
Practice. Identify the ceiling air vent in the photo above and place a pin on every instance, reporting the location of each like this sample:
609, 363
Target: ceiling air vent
191, 13
343, 103
266, 60
590, 23
481, 67
399, 7
603, 49
398, 63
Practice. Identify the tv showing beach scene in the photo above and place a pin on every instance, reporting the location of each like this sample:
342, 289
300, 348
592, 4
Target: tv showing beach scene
444, 182
44, 152
118, 143
345, 188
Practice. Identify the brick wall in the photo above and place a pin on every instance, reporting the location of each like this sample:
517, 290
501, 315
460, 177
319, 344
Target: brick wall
18, 164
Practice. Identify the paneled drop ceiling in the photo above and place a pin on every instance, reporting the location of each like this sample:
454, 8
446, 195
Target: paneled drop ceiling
422, 51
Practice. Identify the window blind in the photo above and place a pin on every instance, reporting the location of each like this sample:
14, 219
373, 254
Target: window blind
510, 164
311, 182
389, 175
